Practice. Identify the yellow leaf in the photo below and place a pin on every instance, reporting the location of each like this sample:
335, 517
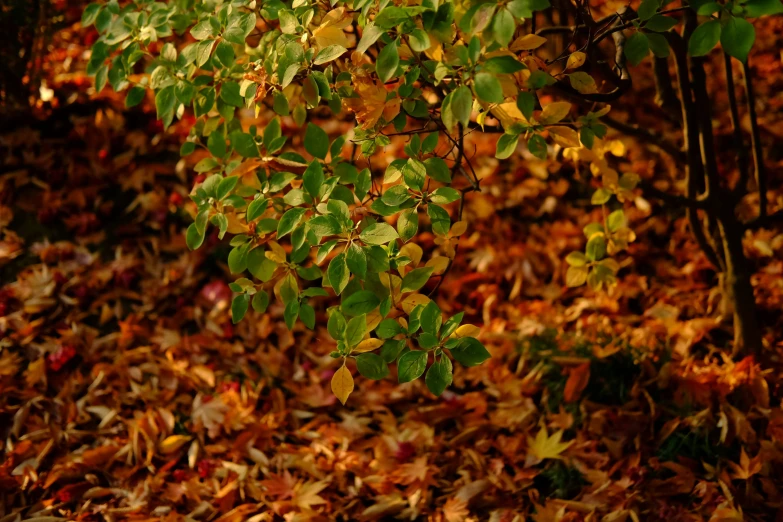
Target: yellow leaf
330, 32
583, 82
374, 318
371, 103
458, 228
466, 330
342, 384
554, 112
564, 136
439, 264
528, 42
368, 345
276, 253
546, 447
413, 300
508, 114
413, 251
576, 60
173, 443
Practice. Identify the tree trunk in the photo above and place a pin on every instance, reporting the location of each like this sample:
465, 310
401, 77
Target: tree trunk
738, 290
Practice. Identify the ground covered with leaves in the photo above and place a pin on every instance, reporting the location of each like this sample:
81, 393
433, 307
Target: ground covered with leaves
126, 393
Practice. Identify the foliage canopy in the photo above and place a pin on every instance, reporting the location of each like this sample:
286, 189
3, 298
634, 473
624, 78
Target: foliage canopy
314, 226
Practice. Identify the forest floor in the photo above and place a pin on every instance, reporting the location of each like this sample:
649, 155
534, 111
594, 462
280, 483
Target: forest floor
126, 393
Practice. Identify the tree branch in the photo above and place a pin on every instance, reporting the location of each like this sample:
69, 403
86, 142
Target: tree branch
739, 145
758, 156
646, 136
694, 171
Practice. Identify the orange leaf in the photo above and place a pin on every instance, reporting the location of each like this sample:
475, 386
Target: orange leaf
577, 381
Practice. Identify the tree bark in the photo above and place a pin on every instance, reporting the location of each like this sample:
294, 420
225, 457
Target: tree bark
738, 290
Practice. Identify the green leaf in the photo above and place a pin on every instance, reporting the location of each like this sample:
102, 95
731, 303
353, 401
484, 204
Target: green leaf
90, 14
506, 146
135, 96
503, 64
415, 279
256, 208
704, 38
338, 273
537, 146
431, 318
329, 53
216, 144
357, 260
259, 265
313, 179
387, 62
378, 234
388, 328
408, 224
372, 366
165, 103
361, 302
290, 313
658, 45
225, 53
355, 330
307, 315
444, 195
414, 174
587, 137
289, 220
396, 195
526, 103
419, 40
336, 325
260, 301
239, 307
600, 196
391, 349
457, 107
194, 238
470, 352
596, 248
229, 93
244, 144
237, 259
316, 141
637, 47
226, 186
756, 8
439, 218
439, 376
202, 30
437, 169
370, 35
660, 23
487, 87
503, 27
647, 9
737, 37
280, 104
411, 366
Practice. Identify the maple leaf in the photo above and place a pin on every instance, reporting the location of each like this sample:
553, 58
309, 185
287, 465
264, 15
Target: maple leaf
747, 466
307, 495
544, 447
279, 486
